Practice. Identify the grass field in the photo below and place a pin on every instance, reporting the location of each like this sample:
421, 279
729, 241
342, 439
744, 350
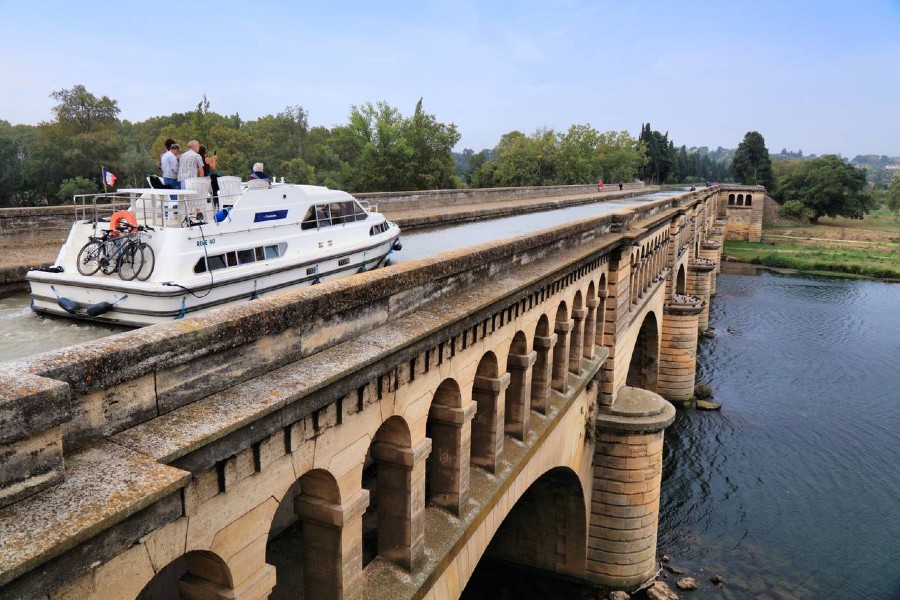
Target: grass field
869, 247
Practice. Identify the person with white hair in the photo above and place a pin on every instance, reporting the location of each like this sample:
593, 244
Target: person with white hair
190, 163
258, 173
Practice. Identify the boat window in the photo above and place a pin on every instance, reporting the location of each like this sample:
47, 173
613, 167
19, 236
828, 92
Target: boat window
260, 253
359, 213
246, 256
323, 218
232, 259
337, 213
216, 262
272, 252
309, 221
380, 228
200, 267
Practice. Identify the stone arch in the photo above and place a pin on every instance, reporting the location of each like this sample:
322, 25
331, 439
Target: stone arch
394, 475
644, 365
590, 323
546, 528
305, 545
542, 375
748, 201
680, 281
488, 425
562, 326
449, 426
602, 293
576, 344
194, 571
517, 404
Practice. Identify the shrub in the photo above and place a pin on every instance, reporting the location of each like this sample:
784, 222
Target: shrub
795, 209
73, 187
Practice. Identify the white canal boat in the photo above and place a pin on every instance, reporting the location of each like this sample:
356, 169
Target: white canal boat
175, 253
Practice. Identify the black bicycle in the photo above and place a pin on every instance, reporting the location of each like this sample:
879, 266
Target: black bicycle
123, 252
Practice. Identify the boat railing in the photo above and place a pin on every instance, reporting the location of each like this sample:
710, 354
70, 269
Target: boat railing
368, 205
157, 208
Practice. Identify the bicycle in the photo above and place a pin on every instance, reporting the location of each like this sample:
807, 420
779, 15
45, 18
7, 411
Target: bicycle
112, 252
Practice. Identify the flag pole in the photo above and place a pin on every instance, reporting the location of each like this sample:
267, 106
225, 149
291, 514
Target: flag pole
103, 178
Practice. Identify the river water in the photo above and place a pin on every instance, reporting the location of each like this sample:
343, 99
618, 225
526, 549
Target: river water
793, 489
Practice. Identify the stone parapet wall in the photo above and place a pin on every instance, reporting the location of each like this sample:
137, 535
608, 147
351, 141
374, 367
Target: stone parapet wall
428, 199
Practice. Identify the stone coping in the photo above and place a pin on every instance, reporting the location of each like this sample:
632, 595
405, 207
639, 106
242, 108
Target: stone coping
637, 411
105, 484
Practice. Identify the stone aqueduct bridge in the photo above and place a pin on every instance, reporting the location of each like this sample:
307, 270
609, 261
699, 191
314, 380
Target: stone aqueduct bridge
387, 430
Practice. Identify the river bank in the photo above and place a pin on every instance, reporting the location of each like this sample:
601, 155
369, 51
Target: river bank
868, 247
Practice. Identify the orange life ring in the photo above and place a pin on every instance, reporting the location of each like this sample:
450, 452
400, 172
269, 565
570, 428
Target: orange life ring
116, 219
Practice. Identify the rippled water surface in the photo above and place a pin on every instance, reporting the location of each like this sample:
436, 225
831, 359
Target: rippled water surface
793, 490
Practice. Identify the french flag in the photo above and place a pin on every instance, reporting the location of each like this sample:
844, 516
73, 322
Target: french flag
108, 178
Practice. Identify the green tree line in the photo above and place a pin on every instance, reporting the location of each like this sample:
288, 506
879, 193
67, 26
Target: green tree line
377, 149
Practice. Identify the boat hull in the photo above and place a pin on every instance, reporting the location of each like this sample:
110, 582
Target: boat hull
138, 304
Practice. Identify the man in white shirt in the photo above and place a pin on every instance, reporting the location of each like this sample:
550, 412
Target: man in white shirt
190, 164
169, 165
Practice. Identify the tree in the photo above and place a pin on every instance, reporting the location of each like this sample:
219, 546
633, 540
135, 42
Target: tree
892, 196
79, 110
751, 164
620, 156
431, 143
826, 186
660, 155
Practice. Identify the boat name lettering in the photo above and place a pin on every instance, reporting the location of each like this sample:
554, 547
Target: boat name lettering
272, 215
329, 243
206, 242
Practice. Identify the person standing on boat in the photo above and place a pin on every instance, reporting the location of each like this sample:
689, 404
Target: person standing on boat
258, 173
168, 144
169, 165
190, 164
210, 163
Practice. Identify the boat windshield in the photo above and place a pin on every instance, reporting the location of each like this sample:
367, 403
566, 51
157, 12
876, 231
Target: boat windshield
333, 213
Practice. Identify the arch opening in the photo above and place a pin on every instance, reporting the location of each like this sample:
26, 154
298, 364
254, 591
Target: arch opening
447, 468
197, 568
305, 551
680, 281
562, 326
644, 366
488, 424
545, 530
517, 401
388, 527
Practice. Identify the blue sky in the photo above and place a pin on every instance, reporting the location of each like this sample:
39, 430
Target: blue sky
817, 76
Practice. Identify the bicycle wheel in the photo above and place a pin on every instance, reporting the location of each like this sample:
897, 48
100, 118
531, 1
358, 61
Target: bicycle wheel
109, 256
88, 261
131, 261
149, 262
